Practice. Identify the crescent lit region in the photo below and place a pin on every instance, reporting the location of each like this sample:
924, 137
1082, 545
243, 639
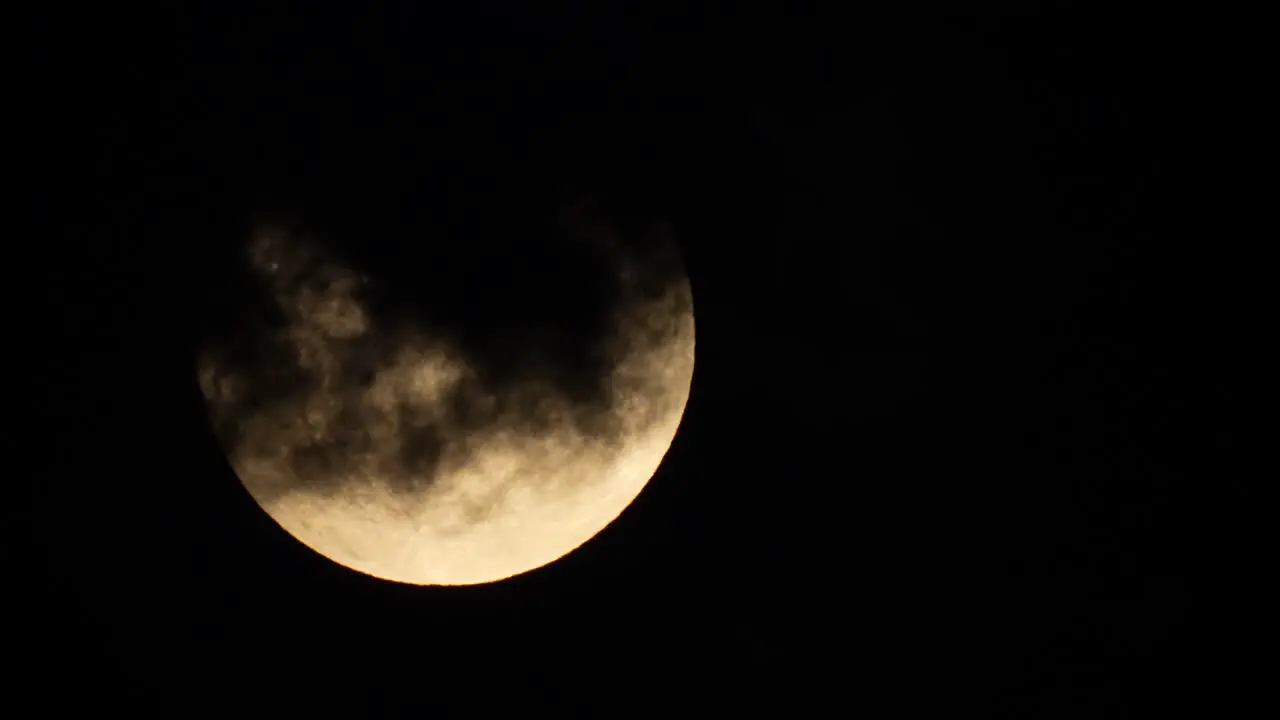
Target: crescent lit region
499, 497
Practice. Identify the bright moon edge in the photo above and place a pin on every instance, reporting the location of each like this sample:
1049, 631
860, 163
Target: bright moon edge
503, 501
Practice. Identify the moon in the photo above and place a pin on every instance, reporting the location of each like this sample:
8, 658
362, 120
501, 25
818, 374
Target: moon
392, 448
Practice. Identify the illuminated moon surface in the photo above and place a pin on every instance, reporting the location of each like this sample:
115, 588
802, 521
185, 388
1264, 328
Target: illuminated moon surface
350, 436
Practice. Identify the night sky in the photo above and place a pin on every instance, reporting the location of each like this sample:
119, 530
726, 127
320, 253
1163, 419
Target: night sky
945, 447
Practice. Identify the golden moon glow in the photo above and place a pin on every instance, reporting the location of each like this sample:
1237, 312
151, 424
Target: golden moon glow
500, 496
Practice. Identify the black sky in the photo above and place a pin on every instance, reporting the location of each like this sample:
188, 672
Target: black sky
950, 423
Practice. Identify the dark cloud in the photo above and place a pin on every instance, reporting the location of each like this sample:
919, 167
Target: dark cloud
541, 321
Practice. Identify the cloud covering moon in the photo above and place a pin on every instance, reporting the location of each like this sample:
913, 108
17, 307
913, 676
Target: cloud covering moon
396, 451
